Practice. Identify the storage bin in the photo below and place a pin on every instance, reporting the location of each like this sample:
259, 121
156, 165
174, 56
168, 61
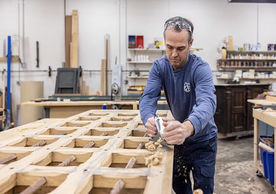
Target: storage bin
270, 166
263, 159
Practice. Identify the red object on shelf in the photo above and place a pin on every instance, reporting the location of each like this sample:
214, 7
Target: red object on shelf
140, 42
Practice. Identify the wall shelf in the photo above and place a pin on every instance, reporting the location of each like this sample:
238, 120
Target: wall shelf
138, 77
246, 67
139, 62
220, 60
251, 52
137, 49
230, 78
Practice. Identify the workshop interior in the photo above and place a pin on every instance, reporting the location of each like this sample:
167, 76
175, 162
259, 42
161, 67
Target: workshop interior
73, 74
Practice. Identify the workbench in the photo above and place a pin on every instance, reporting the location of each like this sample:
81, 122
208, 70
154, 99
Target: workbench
92, 152
58, 107
270, 119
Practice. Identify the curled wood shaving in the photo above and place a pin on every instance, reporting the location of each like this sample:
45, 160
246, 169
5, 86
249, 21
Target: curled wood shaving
154, 159
198, 191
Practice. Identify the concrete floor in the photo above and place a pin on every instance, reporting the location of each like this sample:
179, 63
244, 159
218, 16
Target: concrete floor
235, 171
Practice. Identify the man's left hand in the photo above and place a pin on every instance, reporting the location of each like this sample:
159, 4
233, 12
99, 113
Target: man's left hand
175, 132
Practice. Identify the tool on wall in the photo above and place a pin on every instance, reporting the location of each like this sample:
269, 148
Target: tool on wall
37, 54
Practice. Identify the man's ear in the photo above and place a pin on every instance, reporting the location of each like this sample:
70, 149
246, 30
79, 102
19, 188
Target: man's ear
191, 43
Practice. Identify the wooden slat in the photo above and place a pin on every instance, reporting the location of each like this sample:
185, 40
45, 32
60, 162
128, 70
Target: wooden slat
75, 51
103, 77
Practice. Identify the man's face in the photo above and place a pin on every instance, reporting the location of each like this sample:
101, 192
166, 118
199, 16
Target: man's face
177, 47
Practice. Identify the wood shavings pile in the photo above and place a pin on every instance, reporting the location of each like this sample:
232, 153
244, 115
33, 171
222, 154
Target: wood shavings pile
154, 159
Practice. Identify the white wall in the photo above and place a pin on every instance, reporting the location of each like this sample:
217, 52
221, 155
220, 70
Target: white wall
44, 22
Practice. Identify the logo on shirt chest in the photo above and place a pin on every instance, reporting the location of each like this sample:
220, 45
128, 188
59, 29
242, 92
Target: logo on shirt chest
187, 87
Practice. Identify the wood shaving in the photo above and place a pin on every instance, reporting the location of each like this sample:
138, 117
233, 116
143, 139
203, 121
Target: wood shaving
150, 146
198, 191
154, 159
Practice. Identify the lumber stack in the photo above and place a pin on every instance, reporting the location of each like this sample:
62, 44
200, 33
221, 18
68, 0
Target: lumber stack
98, 151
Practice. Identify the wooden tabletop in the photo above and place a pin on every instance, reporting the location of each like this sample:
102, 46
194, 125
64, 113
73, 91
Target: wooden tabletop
268, 100
82, 103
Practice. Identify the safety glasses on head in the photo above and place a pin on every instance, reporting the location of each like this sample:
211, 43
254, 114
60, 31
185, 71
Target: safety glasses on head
181, 25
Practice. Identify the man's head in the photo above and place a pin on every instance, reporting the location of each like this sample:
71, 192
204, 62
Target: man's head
178, 36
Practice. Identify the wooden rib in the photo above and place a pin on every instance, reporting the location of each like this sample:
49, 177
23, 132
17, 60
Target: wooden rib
41, 143
7, 159
118, 187
104, 134
89, 145
61, 133
122, 120
115, 126
78, 125
32, 188
68, 161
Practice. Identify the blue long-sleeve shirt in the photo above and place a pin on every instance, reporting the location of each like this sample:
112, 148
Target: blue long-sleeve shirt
189, 93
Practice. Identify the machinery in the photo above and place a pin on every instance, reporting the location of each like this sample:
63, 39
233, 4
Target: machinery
116, 91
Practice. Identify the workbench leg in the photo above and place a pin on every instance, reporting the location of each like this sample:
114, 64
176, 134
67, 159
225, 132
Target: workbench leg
47, 112
256, 142
134, 106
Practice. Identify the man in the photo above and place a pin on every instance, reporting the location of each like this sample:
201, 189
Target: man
189, 90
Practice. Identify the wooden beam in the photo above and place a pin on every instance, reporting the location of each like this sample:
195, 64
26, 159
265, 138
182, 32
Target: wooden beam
103, 77
68, 161
68, 39
32, 188
7, 159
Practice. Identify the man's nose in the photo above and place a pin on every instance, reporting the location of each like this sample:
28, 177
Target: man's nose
174, 53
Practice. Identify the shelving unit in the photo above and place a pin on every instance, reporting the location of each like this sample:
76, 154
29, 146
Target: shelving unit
245, 60
153, 54
141, 66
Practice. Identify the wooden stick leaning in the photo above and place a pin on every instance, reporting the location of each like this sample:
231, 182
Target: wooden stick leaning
41, 143
35, 186
104, 134
68, 161
61, 133
89, 145
8, 158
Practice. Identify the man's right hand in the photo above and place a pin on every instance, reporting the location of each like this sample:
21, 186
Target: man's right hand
151, 127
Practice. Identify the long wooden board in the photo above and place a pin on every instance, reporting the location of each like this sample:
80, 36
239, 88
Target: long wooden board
90, 170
